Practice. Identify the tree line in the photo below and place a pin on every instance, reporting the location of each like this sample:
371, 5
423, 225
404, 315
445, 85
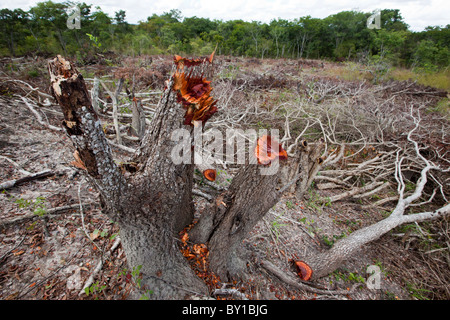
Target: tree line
43, 30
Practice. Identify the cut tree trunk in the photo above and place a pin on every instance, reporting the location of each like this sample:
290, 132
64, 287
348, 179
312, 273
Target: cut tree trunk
303, 167
150, 205
231, 217
154, 203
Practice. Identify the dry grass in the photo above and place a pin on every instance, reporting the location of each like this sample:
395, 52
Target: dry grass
347, 72
440, 79
351, 71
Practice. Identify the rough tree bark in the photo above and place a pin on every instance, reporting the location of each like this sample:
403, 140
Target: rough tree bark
150, 205
230, 218
303, 167
154, 203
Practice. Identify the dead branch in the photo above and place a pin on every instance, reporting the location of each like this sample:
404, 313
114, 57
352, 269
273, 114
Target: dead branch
114, 97
234, 293
39, 117
18, 244
326, 262
15, 182
48, 213
202, 194
32, 89
354, 192
99, 266
25, 172
299, 284
122, 147
209, 183
83, 127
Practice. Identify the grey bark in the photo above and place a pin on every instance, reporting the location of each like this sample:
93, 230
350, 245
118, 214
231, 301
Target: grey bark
154, 203
138, 118
151, 205
231, 217
326, 262
15, 182
94, 94
303, 167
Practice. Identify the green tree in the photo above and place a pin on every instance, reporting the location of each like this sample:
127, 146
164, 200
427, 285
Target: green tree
12, 26
390, 44
277, 30
254, 29
392, 20
53, 18
428, 56
350, 32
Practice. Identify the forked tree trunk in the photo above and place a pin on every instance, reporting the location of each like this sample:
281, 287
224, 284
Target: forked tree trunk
151, 205
154, 203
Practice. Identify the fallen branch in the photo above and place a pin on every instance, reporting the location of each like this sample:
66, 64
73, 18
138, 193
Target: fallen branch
99, 266
42, 94
234, 293
353, 192
114, 96
329, 185
369, 193
324, 263
39, 117
202, 194
122, 147
18, 244
381, 202
282, 276
49, 213
82, 216
15, 182
25, 172
126, 116
209, 183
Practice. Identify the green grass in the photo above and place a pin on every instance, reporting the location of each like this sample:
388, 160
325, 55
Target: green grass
417, 293
346, 276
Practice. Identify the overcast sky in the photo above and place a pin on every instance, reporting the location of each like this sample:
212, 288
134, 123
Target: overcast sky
418, 14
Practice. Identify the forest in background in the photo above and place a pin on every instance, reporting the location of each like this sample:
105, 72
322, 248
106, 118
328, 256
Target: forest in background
43, 31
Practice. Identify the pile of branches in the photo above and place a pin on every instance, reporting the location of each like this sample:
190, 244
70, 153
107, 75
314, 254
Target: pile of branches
147, 72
